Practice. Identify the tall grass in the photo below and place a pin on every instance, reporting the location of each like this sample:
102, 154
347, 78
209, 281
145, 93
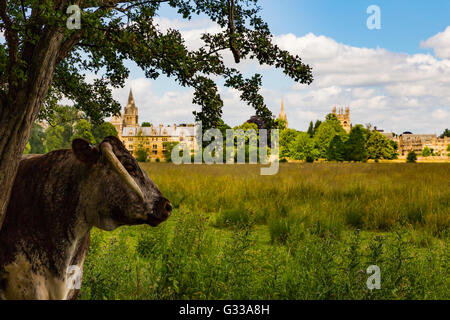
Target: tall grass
309, 232
368, 196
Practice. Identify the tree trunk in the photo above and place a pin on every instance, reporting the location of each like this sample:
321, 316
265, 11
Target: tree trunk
21, 108
14, 132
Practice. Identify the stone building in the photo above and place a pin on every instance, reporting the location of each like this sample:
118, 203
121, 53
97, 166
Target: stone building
129, 118
344, 118
417, 142
407, 141
153, 139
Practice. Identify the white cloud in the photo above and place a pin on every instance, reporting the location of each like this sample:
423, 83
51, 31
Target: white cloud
190, 30
440, 114
168, 108
440, 43
176, 106
394, 91
184, 25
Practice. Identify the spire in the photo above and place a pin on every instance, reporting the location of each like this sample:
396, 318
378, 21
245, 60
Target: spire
130, 97
130, 114
282, 115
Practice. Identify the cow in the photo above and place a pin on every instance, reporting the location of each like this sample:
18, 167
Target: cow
56, 200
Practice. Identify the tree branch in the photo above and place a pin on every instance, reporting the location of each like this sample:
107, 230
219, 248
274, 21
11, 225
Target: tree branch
23, 11
67, 45
232, 30
114, 3
11, 36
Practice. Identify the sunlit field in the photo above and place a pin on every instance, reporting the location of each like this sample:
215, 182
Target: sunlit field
309, 232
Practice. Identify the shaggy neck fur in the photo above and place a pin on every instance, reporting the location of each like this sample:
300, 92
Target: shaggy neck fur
46, 228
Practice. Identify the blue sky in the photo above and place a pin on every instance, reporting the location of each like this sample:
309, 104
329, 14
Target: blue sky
404, 22
395, 78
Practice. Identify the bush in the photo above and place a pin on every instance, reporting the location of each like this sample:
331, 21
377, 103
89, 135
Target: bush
427, 152
141, 155
168, 147
412, 157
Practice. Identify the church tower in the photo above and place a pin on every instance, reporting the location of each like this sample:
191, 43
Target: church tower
282, 115
344, 118
130, 116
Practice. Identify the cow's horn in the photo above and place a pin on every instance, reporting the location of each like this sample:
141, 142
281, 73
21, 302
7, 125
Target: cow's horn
123, 173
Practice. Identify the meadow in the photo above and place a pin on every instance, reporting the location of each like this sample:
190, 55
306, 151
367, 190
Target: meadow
309, 232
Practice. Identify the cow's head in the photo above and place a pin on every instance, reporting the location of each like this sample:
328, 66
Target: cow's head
116, 188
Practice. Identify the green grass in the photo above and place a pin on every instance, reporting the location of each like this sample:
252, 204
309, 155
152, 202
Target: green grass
309, 232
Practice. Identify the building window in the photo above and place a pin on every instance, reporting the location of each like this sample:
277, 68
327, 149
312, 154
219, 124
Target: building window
164, 139
130, 147
155, 152
130, 139
155, 146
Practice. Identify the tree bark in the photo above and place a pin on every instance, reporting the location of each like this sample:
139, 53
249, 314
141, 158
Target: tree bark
21, 107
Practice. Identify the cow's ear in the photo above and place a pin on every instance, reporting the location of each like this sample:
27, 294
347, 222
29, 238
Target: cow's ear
84, 151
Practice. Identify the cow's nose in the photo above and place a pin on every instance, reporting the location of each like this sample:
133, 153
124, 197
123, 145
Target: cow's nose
168, 207
164, 208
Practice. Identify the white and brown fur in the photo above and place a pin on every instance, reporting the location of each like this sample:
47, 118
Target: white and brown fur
56, 199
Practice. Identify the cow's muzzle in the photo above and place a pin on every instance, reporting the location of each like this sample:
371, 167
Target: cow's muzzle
161, 212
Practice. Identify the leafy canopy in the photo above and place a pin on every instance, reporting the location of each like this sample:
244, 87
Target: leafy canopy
446, 133
287, 137
355, 146
141, 154
67, 124
326, 132
303, 148
427, 152
412, 157
379, 147
114, 31
336, 150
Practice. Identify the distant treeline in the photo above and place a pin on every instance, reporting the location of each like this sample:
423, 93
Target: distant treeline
328, 140
64, 125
